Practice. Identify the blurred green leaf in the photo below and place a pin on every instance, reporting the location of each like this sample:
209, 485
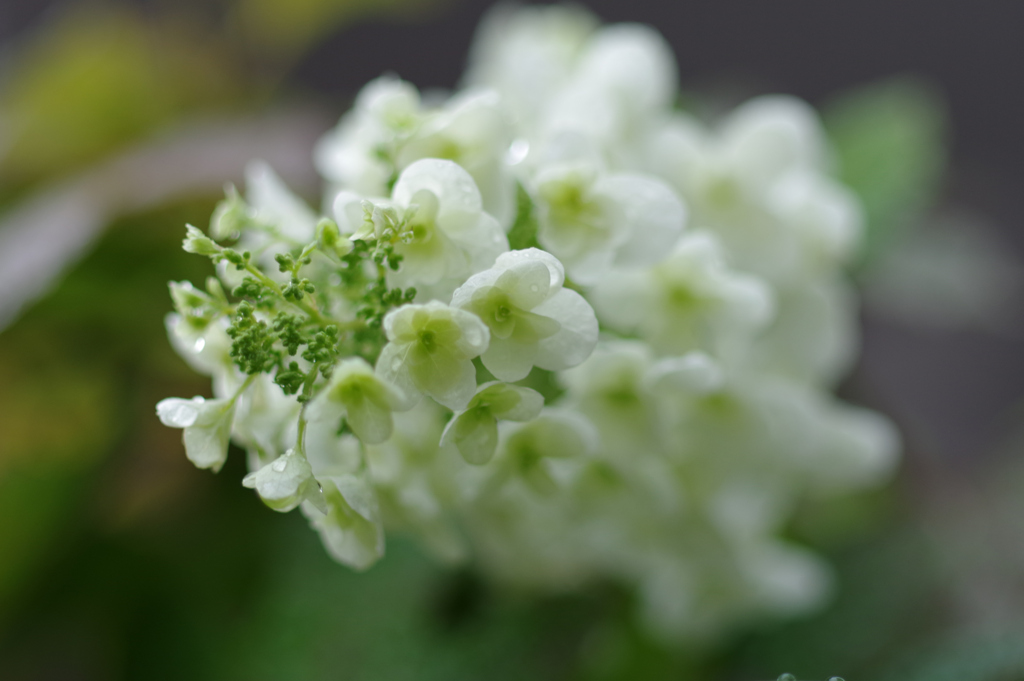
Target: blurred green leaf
92, 80
890, 138
978, 657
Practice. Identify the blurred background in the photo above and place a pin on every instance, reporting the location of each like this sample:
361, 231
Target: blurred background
120, 121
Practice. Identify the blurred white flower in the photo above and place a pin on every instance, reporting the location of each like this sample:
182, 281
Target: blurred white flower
592, 221
689, 301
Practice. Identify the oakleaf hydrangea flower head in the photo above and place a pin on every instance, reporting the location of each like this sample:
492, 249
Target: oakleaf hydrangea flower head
430, 351
533, 320
206, 424
366, 402
474, 431
680, 407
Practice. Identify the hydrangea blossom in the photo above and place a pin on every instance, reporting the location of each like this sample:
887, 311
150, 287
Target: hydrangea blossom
533, 320
549, 323
436, 221
430, 351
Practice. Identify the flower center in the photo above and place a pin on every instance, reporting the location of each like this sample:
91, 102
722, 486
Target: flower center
428, 340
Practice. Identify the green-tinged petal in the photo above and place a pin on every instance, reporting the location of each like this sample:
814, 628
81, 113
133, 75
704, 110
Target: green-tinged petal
351, 530
283, 483
437, 371
207, 446
527, 284
370, 422
475, 434
515, 403
533, 328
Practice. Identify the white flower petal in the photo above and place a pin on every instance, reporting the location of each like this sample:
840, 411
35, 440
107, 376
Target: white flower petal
654, 217
575, 340
508, 360
276, 205
351, 531
634, 63
454, 188
282, 484
769, 135
179, 413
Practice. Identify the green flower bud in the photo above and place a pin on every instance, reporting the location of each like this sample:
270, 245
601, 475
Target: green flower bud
198, 243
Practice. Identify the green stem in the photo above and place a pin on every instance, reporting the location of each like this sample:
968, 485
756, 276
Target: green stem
307, 396
242, 388
301, 304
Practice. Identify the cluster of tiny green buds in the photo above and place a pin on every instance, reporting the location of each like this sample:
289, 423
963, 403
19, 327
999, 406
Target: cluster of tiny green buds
239, 260
255, 290
252, 346
322, 348
380, 300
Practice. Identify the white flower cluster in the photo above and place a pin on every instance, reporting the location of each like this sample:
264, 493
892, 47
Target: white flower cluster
670, 453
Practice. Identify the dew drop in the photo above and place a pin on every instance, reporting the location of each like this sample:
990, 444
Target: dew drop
518, 151
534, 288
279, 465
199, 345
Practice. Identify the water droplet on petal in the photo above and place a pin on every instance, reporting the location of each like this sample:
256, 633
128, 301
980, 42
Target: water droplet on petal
534, 288
279, 465
518, 151
199, 345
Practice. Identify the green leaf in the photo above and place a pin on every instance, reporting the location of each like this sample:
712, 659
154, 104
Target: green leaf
524, 230
890, 139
